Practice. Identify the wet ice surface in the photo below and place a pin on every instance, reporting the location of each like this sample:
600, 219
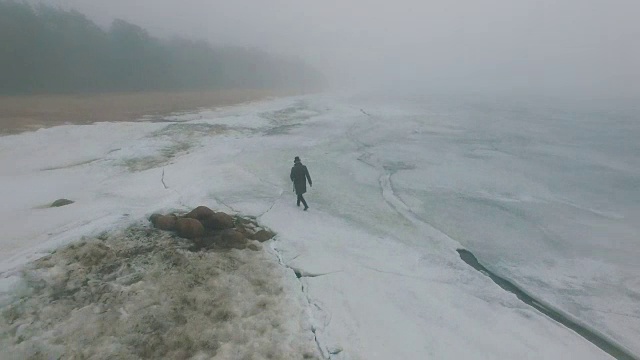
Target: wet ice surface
544, 197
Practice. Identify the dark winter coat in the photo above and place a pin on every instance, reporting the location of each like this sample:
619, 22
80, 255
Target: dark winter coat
299, 176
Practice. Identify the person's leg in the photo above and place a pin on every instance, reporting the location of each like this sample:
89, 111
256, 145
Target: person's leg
299, 196
303, 202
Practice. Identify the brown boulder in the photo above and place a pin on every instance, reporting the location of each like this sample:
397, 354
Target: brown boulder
262, 235
164, 222
233, 239
206, 242
245, 231
245, 221
189, 228
218, 221
253, 247
200, 213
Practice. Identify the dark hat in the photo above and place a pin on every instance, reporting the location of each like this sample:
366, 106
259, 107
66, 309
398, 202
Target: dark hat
296, 159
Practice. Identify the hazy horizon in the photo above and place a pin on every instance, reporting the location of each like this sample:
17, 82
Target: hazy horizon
569, 49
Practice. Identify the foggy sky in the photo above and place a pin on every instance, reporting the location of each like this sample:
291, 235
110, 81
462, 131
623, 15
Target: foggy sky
554, 47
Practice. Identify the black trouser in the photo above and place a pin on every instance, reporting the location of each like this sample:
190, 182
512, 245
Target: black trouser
300, 198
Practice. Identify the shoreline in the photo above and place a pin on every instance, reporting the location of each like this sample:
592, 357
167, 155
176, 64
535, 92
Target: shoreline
23, 113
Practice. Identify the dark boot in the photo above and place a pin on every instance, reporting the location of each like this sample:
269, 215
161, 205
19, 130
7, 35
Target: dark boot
301, 199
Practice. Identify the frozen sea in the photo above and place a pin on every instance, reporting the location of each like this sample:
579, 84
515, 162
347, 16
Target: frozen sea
546, 194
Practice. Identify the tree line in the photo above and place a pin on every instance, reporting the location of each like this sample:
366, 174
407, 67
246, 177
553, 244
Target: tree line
49, 50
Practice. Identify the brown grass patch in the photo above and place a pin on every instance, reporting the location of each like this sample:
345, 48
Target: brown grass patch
140, 294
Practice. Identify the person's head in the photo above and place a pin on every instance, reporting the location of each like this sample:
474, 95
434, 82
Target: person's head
296, 160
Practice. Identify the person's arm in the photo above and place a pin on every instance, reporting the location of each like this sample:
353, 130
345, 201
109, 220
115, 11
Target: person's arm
306, 173
291, 176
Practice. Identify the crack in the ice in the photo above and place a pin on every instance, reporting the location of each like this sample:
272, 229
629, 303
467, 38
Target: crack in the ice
295, 257
315, 337
364, 159
275, 201
225, 204
272, 205
305, 274
438, 237
68, 166
10, 273
406, 275
162, 180
174, 190
405, 211
323, 350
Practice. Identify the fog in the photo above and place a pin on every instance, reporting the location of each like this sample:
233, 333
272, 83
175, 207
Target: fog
583, 48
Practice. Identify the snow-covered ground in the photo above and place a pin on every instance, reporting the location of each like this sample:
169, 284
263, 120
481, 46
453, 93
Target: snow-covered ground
545, 197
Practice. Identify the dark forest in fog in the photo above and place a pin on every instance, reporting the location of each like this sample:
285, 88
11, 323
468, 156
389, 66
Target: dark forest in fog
50, 50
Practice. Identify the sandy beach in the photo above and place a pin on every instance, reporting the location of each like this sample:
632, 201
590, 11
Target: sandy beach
30, 112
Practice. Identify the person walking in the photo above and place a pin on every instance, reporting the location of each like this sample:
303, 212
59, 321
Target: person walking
299, 176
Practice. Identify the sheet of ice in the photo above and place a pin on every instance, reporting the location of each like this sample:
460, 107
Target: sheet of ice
549, 200
396, 189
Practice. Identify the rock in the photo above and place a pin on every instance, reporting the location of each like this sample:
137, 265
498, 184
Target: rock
247, 232
233, 239
206, 242
218, 221
189, 228
201, 243
262, 235
253, 247
232, 235
164, 222
61, 202
200, 213
244, 221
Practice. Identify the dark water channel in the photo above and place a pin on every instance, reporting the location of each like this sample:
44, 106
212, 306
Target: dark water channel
598, 340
